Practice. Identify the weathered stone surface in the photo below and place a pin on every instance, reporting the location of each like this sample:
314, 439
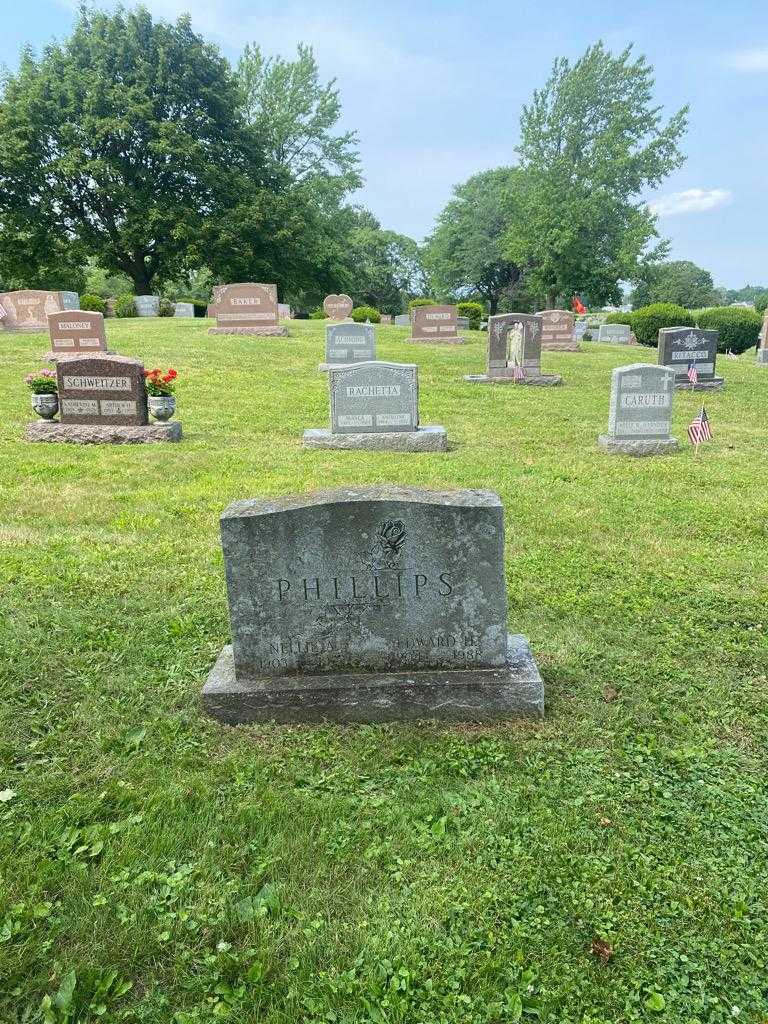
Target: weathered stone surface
557, 331
374, 397
337, 307
681, 346
101, 390
184, 310
147, 305
28, 309
762, 356
423, 439
349, 343
539, 380
283, 311
246, 308
641, 402
618, 446
615, 334
367, 604
50, 431
434, 324
77, 330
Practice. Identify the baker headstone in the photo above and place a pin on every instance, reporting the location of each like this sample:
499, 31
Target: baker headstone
681, 347
402, 320
615, 334
246, 308
147, 305
557, 331
370, 604
76, 331
514, 352
337, 307
434, 324
375, 405
184, 309
640, 411
348, 343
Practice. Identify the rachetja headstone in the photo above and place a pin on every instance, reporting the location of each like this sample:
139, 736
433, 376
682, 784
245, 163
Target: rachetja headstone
77, 330
147, 305
184, 310
370, 604
762, 343
247, 308
615, 334
337, 307
434, 324
348, 343
557, 331
375, 406
683, 347
29, 308
514, 352
640, 411
385, 318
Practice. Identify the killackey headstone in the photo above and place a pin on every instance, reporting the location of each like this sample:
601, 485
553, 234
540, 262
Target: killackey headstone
147, 305
557, 331
369, 604
246, 308
337, 307
434, 324
348, 343
514, 352
78, 330
375, 406
615, 334
683, 347
640, 411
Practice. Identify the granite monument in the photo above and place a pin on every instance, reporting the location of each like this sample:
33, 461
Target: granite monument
682, 347
514, 352
640, 411
246, 308
73, 331
348, 343
337, 307
615, 334
434, 324
557, 331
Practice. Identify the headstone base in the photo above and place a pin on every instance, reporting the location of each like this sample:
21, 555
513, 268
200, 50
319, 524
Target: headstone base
716, 384
76, 433
455, 340
561, 346
423, 439
51, 357
541, 380
655, 446
262, 332
514, 691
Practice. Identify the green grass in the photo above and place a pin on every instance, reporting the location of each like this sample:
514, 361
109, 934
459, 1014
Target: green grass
402, 873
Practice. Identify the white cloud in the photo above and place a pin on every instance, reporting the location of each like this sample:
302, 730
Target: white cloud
693, 200
753, 60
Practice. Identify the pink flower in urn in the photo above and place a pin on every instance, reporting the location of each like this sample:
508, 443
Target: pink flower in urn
41, 382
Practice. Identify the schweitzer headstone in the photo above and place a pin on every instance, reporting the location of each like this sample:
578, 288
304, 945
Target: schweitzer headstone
375, 406
75, 331
102, 391
679, 347
640, 412
435, 324
514, 352
369, 604
348, 343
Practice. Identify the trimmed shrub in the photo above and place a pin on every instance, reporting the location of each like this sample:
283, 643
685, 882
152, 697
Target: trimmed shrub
474, 311
619, 318
738, 327
317, 314
125, 306
362, 313
422, 302
649, 320
166, 308
93, 303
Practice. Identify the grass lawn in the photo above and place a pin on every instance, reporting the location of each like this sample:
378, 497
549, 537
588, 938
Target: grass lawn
175, 870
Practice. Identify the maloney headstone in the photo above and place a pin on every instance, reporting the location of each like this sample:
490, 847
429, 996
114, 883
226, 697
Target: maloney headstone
337, 307
246, 308
514, 352
436, 324
75, 331
616, 334
375, 406
370, 604
348, 343
640, 411
184, 309
147, 305
683, 347
557, 331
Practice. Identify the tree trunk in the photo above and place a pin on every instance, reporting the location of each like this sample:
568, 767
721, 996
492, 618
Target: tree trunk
551, 299
493, 303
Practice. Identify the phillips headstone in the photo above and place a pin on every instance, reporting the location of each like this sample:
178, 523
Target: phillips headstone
436, 324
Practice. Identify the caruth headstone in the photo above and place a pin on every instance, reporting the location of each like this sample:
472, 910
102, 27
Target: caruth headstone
337, 307
375, 406
348, 343
184, 309
246, 308
761, 356
615, 334
385, 318
434, 324
28, 309
402, 320
147, 305
76, 331
640, 411
557, 333
681, 346
514, 352
370, 604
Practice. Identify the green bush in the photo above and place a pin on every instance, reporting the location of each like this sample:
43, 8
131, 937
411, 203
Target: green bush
649, 320
474, 311
125, 306
362, 313
619, 318
738, 327
761, 303
422, 302
93, 303
166, 308
317, 314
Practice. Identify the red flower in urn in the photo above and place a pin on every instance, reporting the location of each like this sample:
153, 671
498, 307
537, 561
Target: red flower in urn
159, 383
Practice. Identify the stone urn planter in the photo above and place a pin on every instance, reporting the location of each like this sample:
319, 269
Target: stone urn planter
162, 407
46, 405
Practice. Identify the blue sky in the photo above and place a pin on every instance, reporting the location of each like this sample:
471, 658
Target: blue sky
435, 91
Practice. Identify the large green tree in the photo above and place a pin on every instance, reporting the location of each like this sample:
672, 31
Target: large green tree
678, 281
121, 144
382, 268
592, 142
465, 253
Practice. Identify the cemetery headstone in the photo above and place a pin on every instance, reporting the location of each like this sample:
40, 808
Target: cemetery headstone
184, 309
70, 300
402, 320
762, 344
385, 318
434, 324
462, 323
640, 411
580, 328
615, 334
283, 311
348, 343
681, 347
557, 333
375, 406
28, 309
514, 352
369, 604
147, 305
337, 307
247, 308
76, 331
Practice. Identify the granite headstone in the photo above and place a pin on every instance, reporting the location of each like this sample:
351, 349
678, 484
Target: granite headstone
28, 309
681, 347
246, 308
615, 334
640, 411
184, 309
98, 390
435, 324
337, 307
147, 305
514, 352
403, 320
349, 343
762, 343
76, 331
557, 331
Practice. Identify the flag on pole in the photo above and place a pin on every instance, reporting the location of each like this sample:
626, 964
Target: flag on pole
699, 429
578, 306
518, 373
693, 373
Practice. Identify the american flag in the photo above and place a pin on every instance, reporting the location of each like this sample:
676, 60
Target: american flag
518, 373
693, 373
699, 430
